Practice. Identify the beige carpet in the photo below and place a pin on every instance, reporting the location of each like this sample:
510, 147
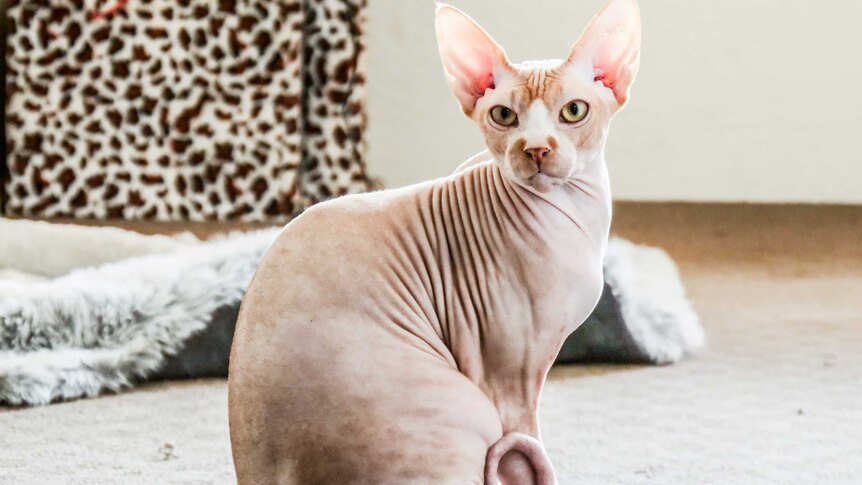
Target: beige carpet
775, 398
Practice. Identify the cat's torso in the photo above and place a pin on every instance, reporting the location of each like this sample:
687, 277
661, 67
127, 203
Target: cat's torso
401, 333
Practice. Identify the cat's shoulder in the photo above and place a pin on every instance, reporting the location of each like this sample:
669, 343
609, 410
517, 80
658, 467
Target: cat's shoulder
482, 158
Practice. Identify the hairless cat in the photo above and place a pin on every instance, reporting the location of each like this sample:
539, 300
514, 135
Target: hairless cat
404, 336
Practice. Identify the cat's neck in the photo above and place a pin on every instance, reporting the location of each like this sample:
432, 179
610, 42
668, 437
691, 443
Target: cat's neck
585, 200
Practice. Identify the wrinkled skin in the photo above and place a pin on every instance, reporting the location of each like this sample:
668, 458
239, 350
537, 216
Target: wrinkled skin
404, 336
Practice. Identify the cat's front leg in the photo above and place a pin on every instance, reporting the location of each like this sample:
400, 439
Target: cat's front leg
518, 457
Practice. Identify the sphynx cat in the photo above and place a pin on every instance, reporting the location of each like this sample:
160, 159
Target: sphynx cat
404, 336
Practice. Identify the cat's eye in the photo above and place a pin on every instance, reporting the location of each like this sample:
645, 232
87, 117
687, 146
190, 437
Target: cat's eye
574, 111
504, 116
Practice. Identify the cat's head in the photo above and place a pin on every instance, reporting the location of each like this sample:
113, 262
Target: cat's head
543, 120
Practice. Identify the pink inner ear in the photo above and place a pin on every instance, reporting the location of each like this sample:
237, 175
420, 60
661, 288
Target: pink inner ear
609, 79
474, 71
616, 70
606, 79
487, 83
469, 56
611, 82
612, 43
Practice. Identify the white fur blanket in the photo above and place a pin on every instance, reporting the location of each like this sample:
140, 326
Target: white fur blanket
85, 311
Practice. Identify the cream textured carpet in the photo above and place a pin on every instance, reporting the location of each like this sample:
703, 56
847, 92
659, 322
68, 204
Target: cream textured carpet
775, 398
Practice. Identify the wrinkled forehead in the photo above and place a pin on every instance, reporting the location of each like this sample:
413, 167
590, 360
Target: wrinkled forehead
550, 81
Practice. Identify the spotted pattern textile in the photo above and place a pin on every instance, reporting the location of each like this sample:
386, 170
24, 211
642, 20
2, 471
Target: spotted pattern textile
182, 109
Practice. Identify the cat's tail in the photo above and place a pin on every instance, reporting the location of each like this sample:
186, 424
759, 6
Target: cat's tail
517, 458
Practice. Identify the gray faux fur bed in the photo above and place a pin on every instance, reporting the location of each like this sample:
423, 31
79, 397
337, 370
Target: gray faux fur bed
171, 314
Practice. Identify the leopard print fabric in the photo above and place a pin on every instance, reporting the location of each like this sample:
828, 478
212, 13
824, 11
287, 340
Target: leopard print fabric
334, 136
181, 109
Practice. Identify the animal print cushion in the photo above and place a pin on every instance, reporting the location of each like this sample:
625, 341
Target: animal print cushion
334, 101
182, 109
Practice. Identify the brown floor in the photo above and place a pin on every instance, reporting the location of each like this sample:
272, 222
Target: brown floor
810, 239
776, 397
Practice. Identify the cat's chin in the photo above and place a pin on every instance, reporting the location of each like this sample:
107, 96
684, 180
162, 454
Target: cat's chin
543, 182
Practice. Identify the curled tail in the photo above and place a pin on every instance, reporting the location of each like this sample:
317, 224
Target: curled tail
518, 459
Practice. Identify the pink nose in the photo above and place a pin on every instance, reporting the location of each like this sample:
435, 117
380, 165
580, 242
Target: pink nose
537, 154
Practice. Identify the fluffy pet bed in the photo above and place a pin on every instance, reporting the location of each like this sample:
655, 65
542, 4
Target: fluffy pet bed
155, 307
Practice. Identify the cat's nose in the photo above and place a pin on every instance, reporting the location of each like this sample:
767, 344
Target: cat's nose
538, 154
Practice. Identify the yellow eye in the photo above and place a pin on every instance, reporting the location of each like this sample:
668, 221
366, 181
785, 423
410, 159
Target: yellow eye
574, 111
503, 116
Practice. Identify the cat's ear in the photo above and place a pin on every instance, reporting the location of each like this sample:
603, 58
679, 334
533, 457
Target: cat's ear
470, 56
612, 43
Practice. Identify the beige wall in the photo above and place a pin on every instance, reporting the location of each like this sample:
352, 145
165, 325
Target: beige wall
737, 100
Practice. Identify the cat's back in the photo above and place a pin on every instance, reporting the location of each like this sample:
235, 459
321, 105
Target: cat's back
334, 378
361, 232
351, 220
345, 264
